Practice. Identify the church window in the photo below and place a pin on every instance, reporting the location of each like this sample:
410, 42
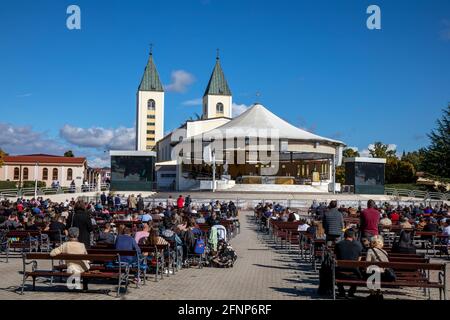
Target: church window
151, 105
219, 107
16, 173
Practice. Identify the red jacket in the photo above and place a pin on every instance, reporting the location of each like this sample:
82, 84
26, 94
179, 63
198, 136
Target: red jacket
370, 219
180, 202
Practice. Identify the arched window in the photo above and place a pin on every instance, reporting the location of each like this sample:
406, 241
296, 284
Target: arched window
55, 174
69, 174
151, 105
25, 173
45, 174
219, 107
16, 173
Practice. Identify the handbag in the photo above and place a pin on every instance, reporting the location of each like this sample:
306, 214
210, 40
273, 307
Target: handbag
388, 274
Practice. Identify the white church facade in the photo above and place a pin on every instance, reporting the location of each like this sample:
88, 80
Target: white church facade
302, 158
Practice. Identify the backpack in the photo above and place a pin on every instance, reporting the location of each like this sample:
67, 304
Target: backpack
199, 246
325, 276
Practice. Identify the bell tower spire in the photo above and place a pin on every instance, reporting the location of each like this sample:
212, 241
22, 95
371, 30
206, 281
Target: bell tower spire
150, 107
217, 100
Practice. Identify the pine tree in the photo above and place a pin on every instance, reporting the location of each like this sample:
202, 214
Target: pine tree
437, 157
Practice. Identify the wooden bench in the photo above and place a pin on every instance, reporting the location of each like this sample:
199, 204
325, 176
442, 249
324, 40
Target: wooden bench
22, 240
120, 275
409, 274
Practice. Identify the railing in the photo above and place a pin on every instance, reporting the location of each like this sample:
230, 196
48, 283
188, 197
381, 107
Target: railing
16, 193
425, 195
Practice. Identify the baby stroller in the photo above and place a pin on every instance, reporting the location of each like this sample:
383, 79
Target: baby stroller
225, 256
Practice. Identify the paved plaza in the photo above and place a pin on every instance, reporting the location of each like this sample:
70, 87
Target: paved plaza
262, 271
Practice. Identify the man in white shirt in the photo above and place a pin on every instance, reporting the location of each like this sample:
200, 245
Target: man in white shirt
303, 226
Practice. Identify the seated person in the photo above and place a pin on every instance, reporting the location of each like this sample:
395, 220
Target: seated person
421, 224
145, 216
73, 246
404, 223
404, 244
142, 233
12, 223
57, 225
213, 219
200, 218
303, 226
126, 242
348, 249
377, 254
106, 235
385, 222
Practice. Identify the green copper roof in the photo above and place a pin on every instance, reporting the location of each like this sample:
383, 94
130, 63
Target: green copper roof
218, 84
150, 81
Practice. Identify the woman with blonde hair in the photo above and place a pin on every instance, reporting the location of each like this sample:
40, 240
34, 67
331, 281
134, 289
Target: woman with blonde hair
376, 253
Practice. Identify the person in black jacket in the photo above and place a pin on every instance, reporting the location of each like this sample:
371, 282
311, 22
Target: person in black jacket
81, 219
333, 223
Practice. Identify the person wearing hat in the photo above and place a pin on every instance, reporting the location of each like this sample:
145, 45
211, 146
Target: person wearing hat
73, 246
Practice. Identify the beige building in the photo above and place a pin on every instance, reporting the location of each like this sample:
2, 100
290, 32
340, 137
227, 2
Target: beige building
47, 168
150, 108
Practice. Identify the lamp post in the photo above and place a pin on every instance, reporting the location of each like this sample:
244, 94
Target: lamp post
35, 179
214, 169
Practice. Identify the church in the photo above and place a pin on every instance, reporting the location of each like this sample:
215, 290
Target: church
254, 148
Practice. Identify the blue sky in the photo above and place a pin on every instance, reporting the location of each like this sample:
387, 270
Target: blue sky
315, 63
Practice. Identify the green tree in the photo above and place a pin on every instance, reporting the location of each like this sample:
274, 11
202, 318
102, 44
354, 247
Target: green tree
3, 154
416, 158
437, 156
340, 174
69, 154
381, 150
399, 171
350, 153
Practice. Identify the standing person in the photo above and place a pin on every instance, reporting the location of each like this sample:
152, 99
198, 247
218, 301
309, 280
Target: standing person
80, 219
180, 202
169, 202
348, 249
187, 201
103, 199
117, 202
333, 223
370, 219
132, 202
140, 203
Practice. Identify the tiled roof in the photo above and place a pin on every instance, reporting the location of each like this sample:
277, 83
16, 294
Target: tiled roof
150, 80
218, 84
44, 159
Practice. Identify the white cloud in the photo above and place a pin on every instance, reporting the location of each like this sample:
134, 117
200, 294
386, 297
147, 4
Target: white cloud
180, 81
193, 102
101, 138
238, 109
24, 140
366, 153
99, 162
25, 95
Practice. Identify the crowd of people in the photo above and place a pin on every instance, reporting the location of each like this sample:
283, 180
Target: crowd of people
85, 224
356, 233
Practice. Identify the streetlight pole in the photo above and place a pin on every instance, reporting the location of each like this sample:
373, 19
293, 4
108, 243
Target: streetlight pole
35, 179
214, 169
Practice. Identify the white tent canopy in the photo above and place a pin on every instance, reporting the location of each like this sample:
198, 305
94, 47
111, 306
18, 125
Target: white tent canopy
256, 119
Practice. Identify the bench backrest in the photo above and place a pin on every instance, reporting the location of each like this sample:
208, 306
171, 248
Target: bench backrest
393, 265
89, 257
